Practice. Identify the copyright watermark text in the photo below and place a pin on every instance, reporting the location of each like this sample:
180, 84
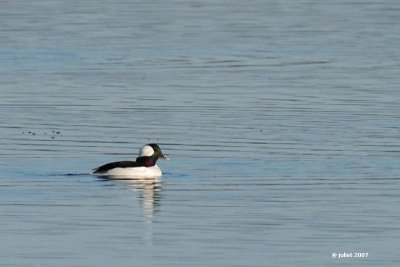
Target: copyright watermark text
340, 255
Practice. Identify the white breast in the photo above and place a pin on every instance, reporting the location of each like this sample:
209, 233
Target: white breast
135, 172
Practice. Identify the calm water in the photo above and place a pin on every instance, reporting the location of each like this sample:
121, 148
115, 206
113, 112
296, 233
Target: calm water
281, 118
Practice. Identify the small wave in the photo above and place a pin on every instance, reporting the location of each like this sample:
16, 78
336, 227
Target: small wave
69, 174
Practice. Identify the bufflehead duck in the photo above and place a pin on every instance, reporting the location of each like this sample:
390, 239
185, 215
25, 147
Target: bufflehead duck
144, 166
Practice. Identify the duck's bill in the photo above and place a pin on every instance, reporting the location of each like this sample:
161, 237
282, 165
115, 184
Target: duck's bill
162, 156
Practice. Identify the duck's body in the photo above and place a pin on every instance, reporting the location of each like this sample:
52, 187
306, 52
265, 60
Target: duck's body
132, 172
144, 167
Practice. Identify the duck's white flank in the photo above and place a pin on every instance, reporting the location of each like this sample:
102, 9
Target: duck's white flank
134, 172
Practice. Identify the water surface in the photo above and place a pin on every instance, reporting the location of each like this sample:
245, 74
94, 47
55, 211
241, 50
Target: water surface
281, 119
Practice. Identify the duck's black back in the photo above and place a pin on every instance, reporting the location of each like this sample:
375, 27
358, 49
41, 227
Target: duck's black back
118, 164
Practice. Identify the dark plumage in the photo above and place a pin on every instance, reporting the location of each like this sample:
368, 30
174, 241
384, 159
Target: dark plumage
112, 165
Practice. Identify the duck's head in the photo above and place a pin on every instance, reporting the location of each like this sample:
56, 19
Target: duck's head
152, 150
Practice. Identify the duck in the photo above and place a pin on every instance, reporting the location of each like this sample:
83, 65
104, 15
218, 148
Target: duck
144, 167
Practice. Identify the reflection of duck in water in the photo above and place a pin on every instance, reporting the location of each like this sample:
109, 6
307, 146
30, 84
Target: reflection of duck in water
148, 190
144, 167
149, 193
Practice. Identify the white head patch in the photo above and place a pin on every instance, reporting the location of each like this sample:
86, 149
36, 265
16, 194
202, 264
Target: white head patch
146, 151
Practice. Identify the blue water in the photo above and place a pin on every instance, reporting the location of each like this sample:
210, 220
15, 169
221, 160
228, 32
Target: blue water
281, 119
